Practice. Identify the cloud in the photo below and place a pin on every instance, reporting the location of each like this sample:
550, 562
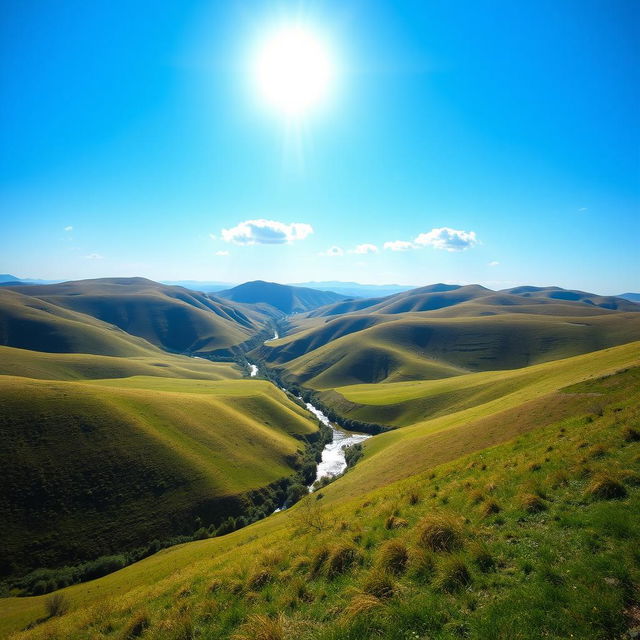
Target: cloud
399, 245
266, 232
332, 251
69, 228
222, 253
94, 256
582, 209
447, 239
213, 236
365, 248
494, 263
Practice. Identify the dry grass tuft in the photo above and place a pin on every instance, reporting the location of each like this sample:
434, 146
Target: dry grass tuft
342, 557
422, 564
598, 451
606, 487
259, 627
532, 503
361, 604
482, 558
490, 508
630, 434
379, 583
440, 533
137, 625
393, 556
414, 497
476, 496
393, 522
259, 579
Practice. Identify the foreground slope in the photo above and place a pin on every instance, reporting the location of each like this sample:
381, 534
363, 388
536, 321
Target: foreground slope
532, 537
173, 318
93, 469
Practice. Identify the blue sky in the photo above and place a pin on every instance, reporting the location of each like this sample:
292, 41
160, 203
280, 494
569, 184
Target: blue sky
130, 134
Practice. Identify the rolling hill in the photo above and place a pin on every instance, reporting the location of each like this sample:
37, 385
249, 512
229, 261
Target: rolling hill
285, 299
173, 318
358, 348
100, 468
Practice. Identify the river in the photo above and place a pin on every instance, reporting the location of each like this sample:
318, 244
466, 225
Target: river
333, 461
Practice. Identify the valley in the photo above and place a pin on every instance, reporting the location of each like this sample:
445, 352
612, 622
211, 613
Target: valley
144, 430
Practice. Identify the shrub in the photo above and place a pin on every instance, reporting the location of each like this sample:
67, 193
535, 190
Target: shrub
56, 605
453, 575
393, 556
532, 503
606, 487
439, 533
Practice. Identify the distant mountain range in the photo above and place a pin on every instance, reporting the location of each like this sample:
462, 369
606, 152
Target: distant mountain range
634, 297
355, 289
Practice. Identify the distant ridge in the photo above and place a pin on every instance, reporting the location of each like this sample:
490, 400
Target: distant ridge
285, 298
355, 289
633, 297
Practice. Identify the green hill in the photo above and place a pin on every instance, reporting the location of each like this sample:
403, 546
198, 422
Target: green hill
368, 349
173, 318
94, 469
509, 519
285, 298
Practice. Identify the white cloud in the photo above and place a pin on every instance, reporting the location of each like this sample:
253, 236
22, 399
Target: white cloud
581, 209
69, 228
94, 256
365, 248
494, 263
332, 251
447, 239
222, 253
266, 232
399, 245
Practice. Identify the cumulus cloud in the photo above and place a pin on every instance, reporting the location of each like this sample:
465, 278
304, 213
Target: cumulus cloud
266, 232
222, 253
332, 251
494, 263
447, 239
69, 228
365, 248
94, 256
399, 245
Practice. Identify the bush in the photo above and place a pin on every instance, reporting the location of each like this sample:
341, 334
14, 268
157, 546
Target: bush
439, 533
56, 605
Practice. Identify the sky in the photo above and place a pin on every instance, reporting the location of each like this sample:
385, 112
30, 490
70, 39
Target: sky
490, 142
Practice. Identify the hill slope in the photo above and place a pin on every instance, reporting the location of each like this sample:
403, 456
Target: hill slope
92, 469
285, 298
172, 318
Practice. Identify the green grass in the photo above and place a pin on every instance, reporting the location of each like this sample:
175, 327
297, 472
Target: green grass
82, 366
336, 569
96, 468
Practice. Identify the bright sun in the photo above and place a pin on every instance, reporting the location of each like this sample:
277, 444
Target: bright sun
293, 71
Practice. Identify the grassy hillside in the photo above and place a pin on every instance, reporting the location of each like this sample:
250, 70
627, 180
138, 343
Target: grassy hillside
173, 318
531, 536
368, 349
285, 298
80, 366
31, 323
92, 469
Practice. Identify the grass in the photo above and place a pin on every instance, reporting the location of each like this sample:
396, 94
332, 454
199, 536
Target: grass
569, 570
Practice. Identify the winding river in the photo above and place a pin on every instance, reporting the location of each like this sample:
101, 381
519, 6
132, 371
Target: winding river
333, 461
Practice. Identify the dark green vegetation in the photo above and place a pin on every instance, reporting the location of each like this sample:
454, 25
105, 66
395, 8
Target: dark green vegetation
498, 500
281, 298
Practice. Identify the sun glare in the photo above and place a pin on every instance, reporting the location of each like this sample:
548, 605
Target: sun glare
293, 71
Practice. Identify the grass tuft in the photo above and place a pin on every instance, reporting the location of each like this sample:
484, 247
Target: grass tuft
606, 487
393, 556
440, 533
56, 605
393, 522
137, 625
453, 575
260, 627
379, 583
490, 508
532, 503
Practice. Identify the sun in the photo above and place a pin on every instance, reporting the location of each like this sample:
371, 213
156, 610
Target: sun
293, 71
